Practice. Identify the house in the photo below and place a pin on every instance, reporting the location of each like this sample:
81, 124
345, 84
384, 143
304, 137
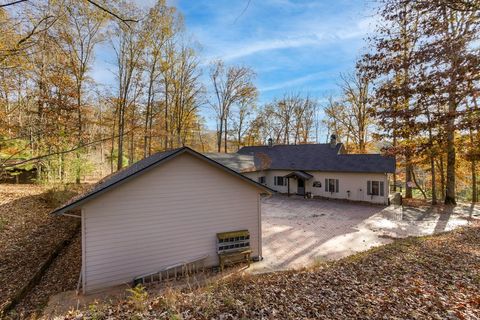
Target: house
161, 211
321, 170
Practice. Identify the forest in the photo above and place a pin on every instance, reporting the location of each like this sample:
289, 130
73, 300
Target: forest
414, 94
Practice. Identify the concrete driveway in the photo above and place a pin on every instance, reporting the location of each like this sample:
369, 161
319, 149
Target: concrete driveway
298, 232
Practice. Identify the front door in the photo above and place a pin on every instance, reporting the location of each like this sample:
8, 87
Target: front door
301, 187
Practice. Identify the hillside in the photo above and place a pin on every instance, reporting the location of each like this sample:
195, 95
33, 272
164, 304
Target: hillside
28, 236
435, 277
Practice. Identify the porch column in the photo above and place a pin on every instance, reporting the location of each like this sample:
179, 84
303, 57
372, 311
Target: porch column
288, 187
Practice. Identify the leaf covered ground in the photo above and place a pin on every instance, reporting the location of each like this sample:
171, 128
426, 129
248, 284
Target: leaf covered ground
435, 277
28, 234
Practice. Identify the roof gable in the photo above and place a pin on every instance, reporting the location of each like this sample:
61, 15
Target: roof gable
140, 167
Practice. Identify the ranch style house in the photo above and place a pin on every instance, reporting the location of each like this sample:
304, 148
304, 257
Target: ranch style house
315, 170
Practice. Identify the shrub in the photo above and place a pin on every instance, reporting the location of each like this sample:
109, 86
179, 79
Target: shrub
95, 313
138, 297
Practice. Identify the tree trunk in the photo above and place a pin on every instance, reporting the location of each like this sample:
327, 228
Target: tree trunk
474, 181
150, 124
239, 138
434, 182
226, 136
112, 147
450, 185
62, 167
166, 115
78, 170
408, 177
148, 112
200, 137
80, 140
432, 159
442, 176
219, 135
145, 132
131, 154
473, 166
418, 186
121, 125
394, 133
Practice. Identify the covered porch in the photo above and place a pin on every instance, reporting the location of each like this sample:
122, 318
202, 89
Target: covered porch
301, 177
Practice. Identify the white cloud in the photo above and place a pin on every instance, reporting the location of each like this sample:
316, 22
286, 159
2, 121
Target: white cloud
268, 45
301, 34
294, 82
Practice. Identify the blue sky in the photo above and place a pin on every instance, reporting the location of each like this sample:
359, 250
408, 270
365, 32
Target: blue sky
292, 45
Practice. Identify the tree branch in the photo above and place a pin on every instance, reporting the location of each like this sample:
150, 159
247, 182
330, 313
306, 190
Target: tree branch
243, 11
111, 13
11, 3
3, 165
89, 1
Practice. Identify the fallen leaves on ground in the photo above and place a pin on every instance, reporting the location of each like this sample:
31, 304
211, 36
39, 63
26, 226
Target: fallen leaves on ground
28, 234
435, 277
61, 276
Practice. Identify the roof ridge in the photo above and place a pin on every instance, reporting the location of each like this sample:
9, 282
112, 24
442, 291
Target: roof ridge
142, 166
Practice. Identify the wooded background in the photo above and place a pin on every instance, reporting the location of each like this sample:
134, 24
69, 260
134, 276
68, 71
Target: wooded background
413, 94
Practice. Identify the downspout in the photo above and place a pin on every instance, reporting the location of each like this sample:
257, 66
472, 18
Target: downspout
259, 209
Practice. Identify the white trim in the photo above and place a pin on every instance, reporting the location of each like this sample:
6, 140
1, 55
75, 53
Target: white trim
259, 209
84, 266
72, 215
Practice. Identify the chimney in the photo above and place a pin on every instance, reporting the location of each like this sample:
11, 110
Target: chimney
333, 141
270, 142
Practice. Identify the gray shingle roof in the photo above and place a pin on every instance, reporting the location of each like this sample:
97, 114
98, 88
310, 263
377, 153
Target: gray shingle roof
299, 174
317, 157
235, 161
137, 168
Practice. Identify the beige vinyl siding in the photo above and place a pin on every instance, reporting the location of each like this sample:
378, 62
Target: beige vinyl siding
270, 179
166, 216
356, 183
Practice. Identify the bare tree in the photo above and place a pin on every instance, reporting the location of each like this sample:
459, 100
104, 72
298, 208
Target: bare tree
231, 85
128, 49
240, 119
159, 28
187, 95
351, 112
80, 33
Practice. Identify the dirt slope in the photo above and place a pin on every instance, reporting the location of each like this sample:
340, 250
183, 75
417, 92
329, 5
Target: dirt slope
28, 234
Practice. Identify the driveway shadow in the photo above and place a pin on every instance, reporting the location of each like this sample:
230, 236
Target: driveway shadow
297, 232
442, 221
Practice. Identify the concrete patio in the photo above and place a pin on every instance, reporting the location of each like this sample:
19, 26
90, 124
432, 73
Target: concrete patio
298, 232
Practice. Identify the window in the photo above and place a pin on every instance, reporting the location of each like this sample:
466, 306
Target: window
331, 185
375, 188
279, 181
262, 180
